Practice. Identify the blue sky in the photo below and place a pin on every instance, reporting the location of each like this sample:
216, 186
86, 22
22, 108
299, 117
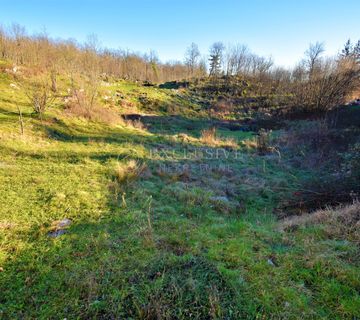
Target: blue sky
278, 28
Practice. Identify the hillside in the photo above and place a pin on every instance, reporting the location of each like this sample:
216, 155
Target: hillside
161, 216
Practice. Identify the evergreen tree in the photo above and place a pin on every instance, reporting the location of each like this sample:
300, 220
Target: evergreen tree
350, 51
356, 51
215, 60
347, 51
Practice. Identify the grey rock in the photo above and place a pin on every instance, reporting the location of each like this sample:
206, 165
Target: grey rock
59, 228
63, 223
269, 261
56, 233
219, 199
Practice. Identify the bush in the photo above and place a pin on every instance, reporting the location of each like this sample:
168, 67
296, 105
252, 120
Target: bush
222, 106
124, 174
263, 141
333, 158
39, 94
84, 91
83, 101
325, 87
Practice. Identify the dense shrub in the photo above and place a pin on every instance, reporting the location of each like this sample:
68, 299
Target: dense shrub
326, 87
332, 156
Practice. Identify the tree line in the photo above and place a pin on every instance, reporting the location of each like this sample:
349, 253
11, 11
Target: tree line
317, 82
69, 56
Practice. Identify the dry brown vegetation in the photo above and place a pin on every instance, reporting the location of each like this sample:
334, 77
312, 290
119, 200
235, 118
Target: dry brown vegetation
137, 124
317, 84
251, 83
97, 113
125, 173
209, 137
330, 150
39, 94
327, 86
342, 222
69, 56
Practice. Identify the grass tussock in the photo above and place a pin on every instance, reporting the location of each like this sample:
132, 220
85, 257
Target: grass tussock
128, 172
210, 138
249, 143
122, 176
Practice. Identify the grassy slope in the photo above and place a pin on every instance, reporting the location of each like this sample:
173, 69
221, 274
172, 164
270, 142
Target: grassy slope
200, 257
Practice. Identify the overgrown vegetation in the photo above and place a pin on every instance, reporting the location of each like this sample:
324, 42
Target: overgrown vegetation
328, 148
204, 198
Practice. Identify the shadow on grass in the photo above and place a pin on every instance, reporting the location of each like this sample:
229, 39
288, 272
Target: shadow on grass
179, 124
10, 101
110, 268
15, 114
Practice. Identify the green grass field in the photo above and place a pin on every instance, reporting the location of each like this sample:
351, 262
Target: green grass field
154, 234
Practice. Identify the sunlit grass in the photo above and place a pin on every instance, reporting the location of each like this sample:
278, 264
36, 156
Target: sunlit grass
198, 258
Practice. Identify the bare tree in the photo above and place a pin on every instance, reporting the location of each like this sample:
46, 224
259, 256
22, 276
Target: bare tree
3, 43
330, 83
241, 61
192, 56
17, 32
70, 57
313, 57
202, 66
261, 65
237, 60
21, 120
85, 90
39, 94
